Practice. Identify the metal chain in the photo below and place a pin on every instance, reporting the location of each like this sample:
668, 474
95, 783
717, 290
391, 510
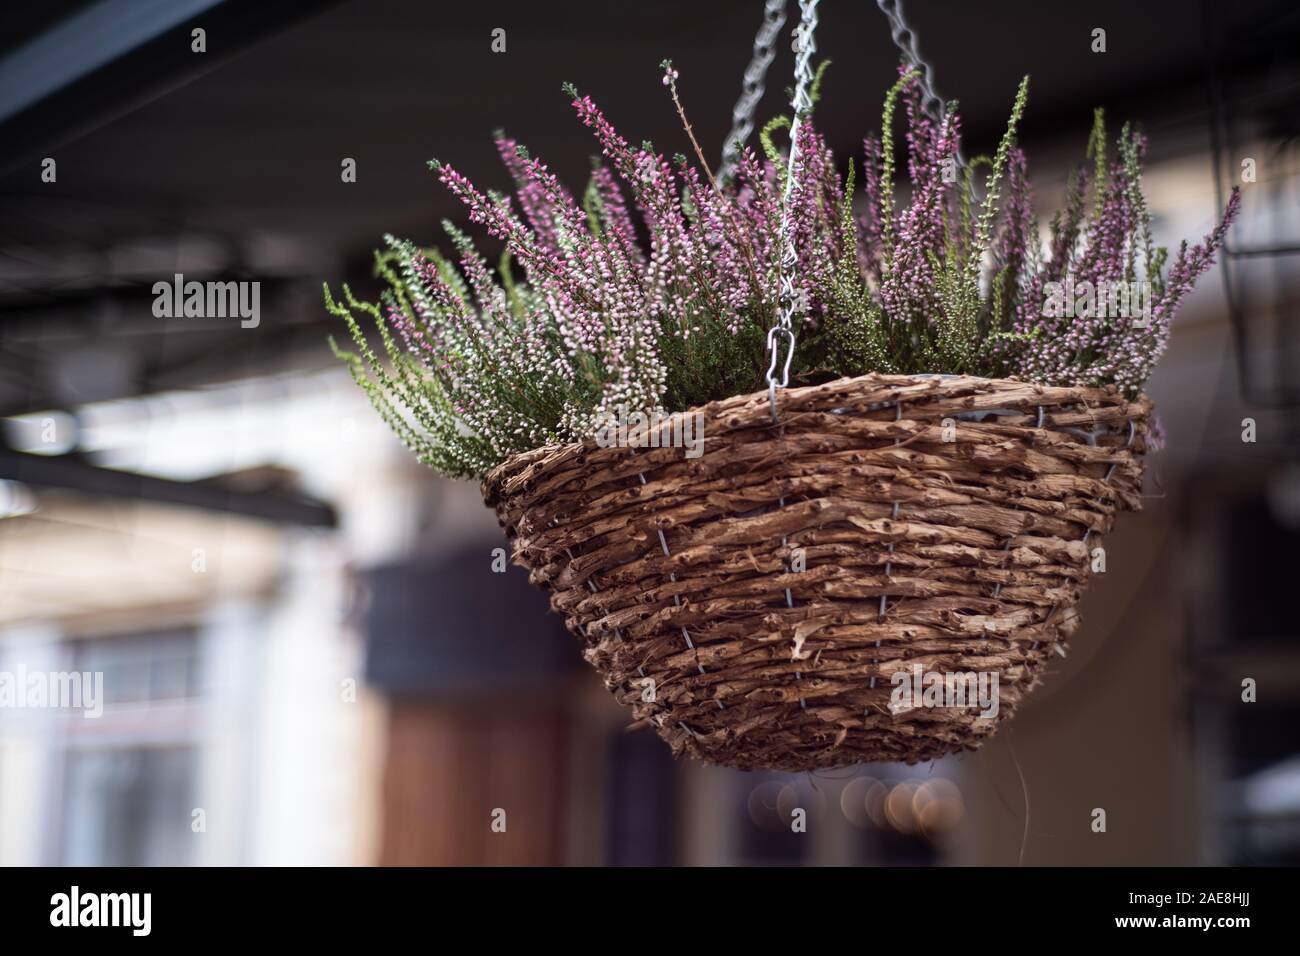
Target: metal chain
801, 104
742, 114
904, 38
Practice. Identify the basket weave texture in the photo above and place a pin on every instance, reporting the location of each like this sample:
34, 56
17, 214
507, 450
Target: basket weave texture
942, 521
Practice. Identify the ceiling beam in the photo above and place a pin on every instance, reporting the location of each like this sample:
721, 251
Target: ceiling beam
75, 473
115, 56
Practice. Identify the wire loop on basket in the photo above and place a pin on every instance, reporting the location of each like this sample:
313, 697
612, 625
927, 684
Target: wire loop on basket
775, 352
893, 516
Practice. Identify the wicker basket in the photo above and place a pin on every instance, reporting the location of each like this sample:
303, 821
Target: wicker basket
940, 521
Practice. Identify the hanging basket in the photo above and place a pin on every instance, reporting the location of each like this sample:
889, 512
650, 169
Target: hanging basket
753, 604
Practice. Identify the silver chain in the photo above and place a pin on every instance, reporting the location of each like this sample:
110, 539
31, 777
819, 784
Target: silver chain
742, 114
805, 45
904, 38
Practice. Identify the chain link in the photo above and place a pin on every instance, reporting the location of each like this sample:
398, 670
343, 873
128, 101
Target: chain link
742, 114
783, 332
904, 38
781, 337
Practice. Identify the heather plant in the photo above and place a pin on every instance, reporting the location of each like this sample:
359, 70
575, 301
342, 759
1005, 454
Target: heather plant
655, 289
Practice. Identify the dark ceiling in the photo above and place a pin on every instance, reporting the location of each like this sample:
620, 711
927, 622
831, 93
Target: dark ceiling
238, 150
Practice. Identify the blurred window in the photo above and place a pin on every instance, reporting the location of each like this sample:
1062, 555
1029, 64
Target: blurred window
129, 777
1242, 626
129, 807
141, 668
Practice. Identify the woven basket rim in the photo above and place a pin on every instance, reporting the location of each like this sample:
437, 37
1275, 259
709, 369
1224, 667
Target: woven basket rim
1016, 394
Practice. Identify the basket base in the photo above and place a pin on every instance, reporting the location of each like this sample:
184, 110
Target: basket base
765, 605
